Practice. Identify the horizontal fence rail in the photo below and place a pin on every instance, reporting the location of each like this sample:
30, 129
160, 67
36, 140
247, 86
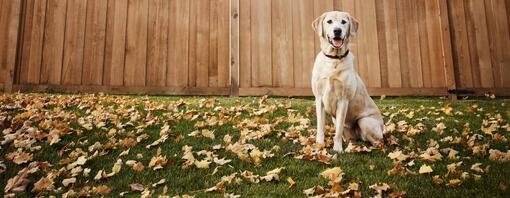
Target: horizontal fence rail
249, 47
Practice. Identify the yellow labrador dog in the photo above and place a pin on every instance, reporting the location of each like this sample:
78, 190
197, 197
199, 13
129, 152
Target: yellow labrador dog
338, 89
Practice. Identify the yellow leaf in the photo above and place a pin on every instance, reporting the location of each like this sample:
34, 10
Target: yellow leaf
291, 182
204, 164
425, 169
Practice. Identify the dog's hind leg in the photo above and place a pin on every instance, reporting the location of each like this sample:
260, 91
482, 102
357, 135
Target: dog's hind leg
371, 130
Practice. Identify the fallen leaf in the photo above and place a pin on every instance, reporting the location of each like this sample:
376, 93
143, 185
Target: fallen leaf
68, 181
424, 169
137, 187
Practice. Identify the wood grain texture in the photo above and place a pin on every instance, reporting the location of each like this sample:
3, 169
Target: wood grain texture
9, 21
74, 42
95, 38
245, 69
203, 42
178, 43
304, 40
136, 43
34, 40
234, 38
392, 43
261, 62
115, 47
157, 43
53, 50
223, 43
282, 47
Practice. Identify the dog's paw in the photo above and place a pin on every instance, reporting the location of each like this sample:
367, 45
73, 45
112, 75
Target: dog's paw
319, 140
338, 148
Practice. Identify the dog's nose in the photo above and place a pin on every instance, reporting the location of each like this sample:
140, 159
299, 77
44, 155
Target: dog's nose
337, 31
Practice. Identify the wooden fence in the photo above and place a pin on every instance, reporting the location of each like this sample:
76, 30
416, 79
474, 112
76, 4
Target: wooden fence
248, 47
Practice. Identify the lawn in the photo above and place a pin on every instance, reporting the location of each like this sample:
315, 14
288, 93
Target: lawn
101, 145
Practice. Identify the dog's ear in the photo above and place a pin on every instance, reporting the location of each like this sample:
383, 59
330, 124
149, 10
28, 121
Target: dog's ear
354, 24
317, 25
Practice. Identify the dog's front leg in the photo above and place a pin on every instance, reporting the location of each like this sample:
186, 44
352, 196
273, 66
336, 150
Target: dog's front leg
341, 112
321, 120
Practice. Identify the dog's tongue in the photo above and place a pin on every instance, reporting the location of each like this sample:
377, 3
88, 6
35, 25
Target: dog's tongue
337, 43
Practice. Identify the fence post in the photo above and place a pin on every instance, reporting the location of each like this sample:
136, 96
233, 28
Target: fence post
234, 48
447, 48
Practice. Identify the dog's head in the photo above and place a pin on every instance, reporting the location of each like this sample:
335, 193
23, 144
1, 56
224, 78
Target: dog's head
335, 29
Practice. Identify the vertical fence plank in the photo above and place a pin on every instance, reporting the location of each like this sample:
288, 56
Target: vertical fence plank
95, 36
74, 42
34, 38
9, 21
392, 43
261, 43
53, 50
223, 43
136, 44
460, 43
157, 43
245, 70
234, 36
373, 67
282, 51
304, 37
115, 49
213, 43
437, 53
482, 43
424, 43
178, 43
203, 43
446, 43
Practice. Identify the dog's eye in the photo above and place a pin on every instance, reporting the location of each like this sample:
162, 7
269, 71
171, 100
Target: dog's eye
344, 21
329, 21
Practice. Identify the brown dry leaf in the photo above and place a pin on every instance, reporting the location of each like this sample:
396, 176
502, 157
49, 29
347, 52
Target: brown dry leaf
476, 167
19, 182
102, 190
334, 175
45, 183
137, 187
454, 182
19, 157
431, 154
68, 181
138, 167
436, 179
351, 148
503, 187
273, 175
158, 161
497, 155
380, 188
398, 156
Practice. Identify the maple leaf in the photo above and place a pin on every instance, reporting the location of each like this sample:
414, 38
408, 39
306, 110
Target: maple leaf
19, 182
398, 156
334, 175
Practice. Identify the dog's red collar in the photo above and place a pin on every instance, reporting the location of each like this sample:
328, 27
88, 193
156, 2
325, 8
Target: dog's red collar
337, 57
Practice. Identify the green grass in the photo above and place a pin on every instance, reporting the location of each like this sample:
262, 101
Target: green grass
193, 181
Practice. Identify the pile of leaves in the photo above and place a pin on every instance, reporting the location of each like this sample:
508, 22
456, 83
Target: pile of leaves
101, 145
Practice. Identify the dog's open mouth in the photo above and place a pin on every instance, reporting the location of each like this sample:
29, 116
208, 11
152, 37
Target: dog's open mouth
336, 42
